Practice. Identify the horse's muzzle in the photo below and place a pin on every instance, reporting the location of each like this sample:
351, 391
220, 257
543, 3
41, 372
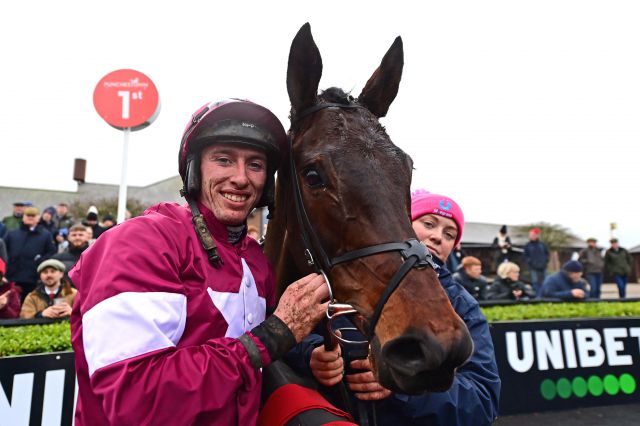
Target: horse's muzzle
416, 362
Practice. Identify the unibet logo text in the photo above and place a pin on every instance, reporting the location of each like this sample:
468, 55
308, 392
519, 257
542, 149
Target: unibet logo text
559, 349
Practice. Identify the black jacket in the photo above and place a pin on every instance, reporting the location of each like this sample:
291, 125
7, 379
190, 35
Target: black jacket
502, 289
27, 249
476, 287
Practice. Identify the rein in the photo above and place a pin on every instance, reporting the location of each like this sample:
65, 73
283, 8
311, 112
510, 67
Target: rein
415, 254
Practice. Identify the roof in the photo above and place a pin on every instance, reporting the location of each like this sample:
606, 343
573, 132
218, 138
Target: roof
482, 234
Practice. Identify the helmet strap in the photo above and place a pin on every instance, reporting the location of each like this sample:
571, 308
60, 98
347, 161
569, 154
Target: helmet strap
207, 241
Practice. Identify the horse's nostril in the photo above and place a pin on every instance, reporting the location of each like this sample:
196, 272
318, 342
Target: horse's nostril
411, 355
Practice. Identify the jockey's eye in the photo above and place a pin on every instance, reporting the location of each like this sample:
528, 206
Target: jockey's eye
313, 179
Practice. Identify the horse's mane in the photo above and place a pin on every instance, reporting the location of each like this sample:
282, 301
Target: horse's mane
337, 96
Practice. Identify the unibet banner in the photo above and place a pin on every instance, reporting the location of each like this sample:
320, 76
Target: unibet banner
37, 389
555, 365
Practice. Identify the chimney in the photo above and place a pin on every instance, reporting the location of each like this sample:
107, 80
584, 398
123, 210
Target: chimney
79, 169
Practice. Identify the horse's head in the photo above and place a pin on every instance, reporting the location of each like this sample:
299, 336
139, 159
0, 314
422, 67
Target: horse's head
354, 186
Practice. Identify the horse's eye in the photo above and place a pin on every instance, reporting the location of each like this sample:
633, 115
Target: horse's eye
313, 178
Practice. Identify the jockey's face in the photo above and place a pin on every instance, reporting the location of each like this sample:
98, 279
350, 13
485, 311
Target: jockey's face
233, 178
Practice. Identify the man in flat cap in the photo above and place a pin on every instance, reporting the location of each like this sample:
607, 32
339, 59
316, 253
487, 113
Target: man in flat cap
13, 222
53, 297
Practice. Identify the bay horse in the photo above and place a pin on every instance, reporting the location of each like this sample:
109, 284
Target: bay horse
342, 206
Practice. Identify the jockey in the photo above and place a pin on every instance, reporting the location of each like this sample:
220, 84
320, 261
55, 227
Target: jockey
169, 323
473, 397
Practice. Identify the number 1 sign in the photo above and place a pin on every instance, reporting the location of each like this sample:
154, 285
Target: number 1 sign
126, 99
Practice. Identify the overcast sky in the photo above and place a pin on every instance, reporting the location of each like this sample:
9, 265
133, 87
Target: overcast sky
521, 111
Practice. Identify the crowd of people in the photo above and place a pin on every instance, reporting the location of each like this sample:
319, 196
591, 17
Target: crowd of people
578, 279
37, 249
173, 294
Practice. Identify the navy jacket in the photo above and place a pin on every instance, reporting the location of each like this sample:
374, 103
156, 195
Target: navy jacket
559, 286
473, 397
536, 254
27, 249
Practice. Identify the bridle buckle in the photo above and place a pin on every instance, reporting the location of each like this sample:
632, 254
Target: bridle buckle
309, 257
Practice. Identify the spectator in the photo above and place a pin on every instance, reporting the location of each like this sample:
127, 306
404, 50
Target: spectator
64, 221
536, 256
63, 218
91, 221
53, 297
566, 284
47, 222
3, 251
9, 296
107, 222
27, 246
455, 258
470, 276
13, 222
78, 242
502, 242
593, 263
617, 263
507, 285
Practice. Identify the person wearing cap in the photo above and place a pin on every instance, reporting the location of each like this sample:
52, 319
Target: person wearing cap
9, 296
566, 284
593, 263
618, 263
107, 222
91, 221
47, 222
472, 400
536, 256
53, 297
13, 222
27, 246
64, 220
170, 325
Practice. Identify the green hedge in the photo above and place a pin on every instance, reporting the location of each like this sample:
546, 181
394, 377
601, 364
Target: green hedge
33, 339
561, 310
56, 337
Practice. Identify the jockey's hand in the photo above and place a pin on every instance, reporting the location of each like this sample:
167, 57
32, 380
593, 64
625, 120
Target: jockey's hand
364, 385
327, 366
300, 306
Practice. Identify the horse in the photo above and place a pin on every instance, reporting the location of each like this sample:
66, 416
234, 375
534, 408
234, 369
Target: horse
342, 204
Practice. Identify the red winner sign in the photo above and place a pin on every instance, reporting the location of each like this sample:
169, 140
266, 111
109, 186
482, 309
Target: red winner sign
127, 99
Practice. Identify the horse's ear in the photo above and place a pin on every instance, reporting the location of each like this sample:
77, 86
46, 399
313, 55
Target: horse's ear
304, 71
382, 87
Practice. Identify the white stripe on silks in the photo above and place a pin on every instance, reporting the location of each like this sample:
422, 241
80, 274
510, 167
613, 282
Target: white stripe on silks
131, 324
242, 310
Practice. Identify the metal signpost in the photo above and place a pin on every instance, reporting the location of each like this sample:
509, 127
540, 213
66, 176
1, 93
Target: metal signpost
127, 100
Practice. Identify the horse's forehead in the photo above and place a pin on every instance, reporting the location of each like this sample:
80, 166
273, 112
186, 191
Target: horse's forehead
346, 130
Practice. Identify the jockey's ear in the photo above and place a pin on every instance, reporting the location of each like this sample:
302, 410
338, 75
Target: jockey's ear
304, 70
382, 87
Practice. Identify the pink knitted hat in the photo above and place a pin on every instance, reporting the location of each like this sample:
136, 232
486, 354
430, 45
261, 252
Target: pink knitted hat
424, 202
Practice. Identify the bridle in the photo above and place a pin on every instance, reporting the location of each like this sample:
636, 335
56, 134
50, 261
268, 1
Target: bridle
415, 254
